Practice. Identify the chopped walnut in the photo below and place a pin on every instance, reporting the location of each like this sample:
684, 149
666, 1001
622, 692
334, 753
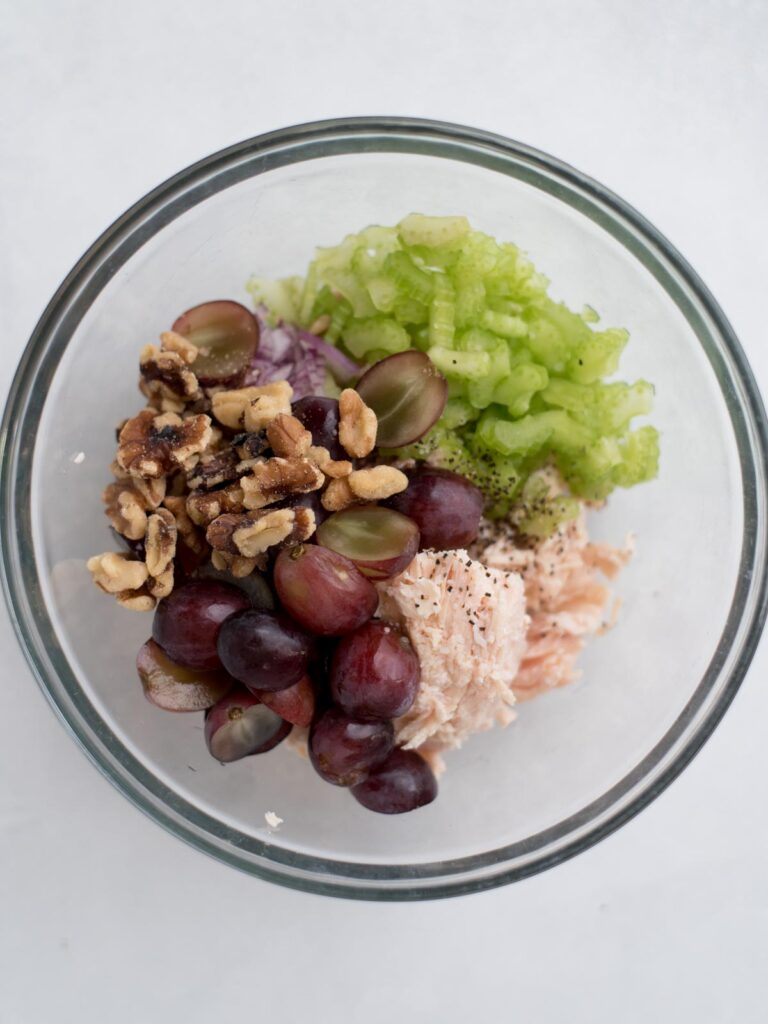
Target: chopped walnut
166, 379
213, 469
288, 437
126, 509
357, 424
161, 550
115, 573
331, 467
338, 495
251, 446
237, 565
152, 445
188, 533
136, 602
252, 408
205, 506
252, 533
170, 341
377, 483
274, 479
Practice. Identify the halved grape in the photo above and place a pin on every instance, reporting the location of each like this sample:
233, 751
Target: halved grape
375, 672
343, 750
380, 541
175, 688
187, 622
240, 725
264, 651
226, 335
446, 507
408, 394
323, 591
296, 704
402, 783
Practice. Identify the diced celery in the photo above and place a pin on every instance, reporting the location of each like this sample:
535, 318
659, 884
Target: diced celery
517, 389
470, 300
413, 283
441, 313
356, 294
416, 229
539, 513
466, 365
282, 297
341, 313
377, 333
383, 292
504, 324
513, 437
640, 458
457, 413
411, 311
598, 355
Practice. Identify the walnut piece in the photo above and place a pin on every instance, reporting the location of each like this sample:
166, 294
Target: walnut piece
377, 483
273, 479
252, 533
160, 552
331, 467
166, 379
252, 408
187, 532
152, 445
338, 495
205, 506
126, 509
288, 437
136, 602
357, 425
213, 469
115, 573
170, 341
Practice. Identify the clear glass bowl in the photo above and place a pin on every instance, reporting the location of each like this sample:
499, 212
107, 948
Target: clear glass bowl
578, 762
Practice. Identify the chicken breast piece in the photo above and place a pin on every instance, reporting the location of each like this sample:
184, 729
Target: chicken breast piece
468, 624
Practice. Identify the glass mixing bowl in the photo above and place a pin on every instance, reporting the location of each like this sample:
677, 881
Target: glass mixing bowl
578, 762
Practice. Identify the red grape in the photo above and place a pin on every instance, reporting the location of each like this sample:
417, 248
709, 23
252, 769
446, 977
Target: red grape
380, 541
375, 672
343, 750
174, 688
320, 416
226, 335
408, 394
240, 725
323, 591
445, 506
187, 622
264, 651
402, 783
296, 704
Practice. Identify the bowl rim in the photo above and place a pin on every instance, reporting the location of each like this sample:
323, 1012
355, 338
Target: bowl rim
35, 632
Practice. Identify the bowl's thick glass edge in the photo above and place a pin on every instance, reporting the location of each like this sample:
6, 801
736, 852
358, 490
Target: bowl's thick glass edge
16, 444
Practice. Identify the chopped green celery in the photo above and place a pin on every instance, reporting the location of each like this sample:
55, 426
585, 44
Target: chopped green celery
380, 333
508, 306
504, 324
547, 344
470, 300
639, 458
441, 313
479, 255
512, 437
519, 387
457, 413
590, 315
466, 365
324, 304
435, 232
413, 283
282, 297
374, 245
480, 392
383, 292
339, 316
433, 259
308, 294
598, 355
567, 395
411, 311
566, 434
346, 282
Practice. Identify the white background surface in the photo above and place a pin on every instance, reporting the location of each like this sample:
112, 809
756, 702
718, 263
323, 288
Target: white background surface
105, 917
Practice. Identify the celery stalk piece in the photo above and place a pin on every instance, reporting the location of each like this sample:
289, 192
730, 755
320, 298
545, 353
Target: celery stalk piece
466, 365
442, 313
434, 232
377, 334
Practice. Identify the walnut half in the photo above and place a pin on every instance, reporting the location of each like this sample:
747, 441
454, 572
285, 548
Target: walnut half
253, 408
274, 479
153, 445
249, 534
357, 424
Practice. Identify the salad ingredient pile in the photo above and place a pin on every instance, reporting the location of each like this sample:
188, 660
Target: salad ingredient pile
289, 505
